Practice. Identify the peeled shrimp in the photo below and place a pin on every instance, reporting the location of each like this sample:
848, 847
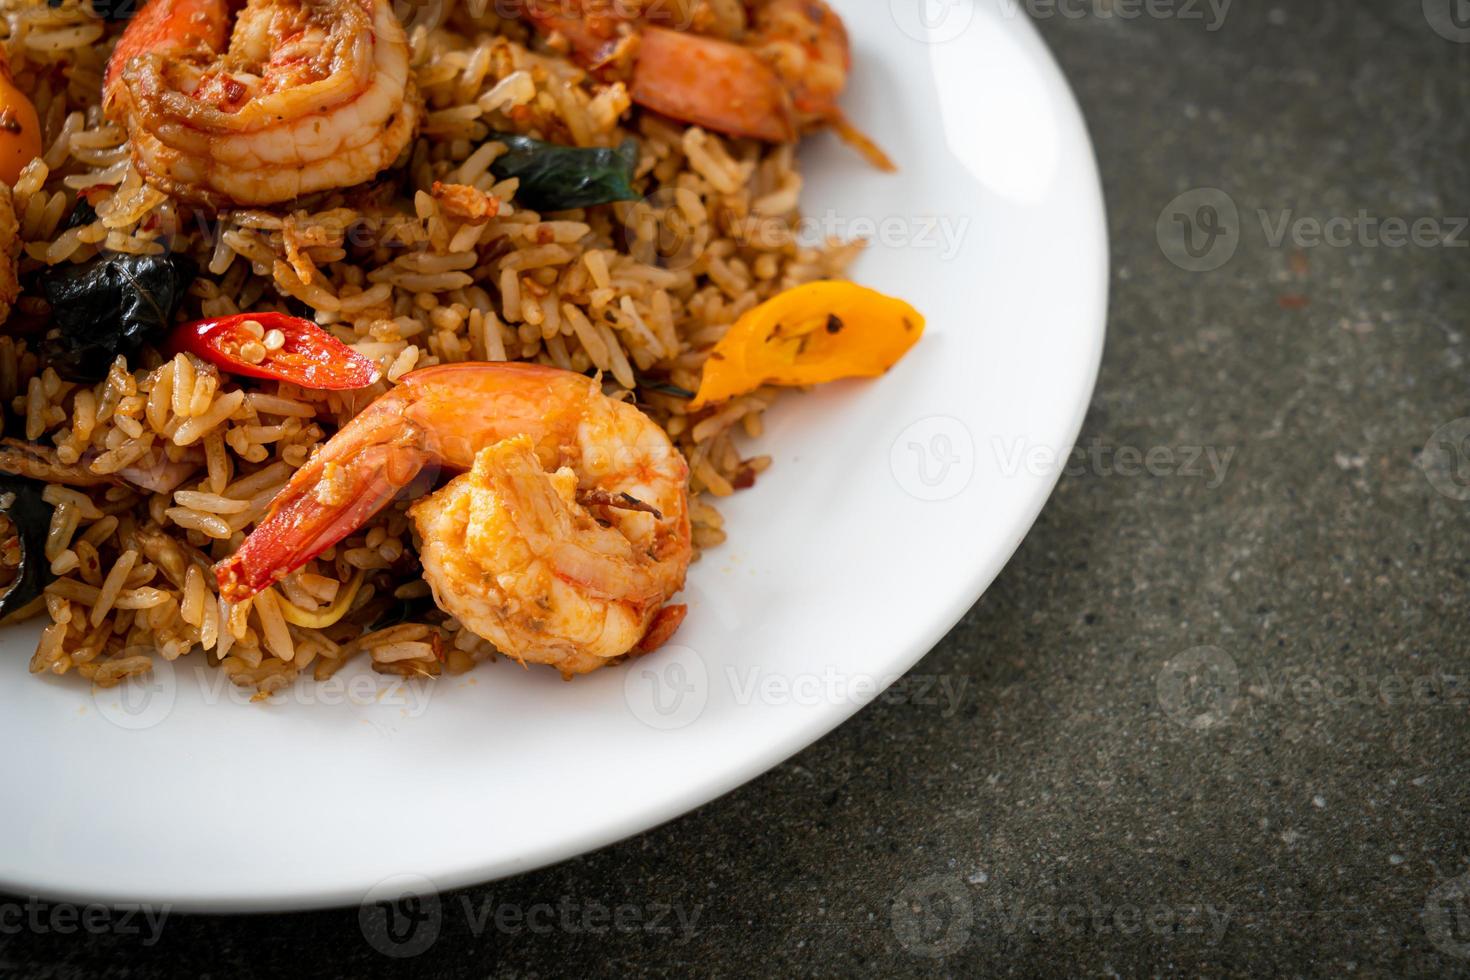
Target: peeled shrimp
774, 71
298, 96
560, 545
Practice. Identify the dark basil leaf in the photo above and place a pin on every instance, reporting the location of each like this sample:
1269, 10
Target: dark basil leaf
20, 500
662, 387
642, 381
559, 178
295, 307
82, 214
112, 305
403, 611
113, 9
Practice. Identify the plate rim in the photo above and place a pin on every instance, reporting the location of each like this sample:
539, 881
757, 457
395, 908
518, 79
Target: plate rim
817, 723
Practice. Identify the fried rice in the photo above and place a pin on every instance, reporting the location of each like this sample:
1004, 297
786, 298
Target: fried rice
409, 273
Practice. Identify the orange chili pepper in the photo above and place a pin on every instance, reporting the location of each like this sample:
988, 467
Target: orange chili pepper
807, 335
20, 129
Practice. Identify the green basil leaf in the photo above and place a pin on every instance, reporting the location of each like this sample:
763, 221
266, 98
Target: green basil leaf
559, 178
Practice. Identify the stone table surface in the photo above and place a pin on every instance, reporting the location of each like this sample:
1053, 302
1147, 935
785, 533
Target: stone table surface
1214, 718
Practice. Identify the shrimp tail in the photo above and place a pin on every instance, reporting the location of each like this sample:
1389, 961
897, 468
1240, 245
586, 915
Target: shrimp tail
712, 83
170, 28
591, 30
335, 493
665, 623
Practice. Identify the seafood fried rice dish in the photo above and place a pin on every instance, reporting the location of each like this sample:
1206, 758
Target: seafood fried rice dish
417, 334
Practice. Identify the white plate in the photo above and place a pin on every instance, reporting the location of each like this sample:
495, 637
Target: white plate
892, 505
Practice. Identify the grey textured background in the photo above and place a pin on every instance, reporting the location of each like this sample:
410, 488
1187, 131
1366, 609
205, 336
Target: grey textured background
1205, 722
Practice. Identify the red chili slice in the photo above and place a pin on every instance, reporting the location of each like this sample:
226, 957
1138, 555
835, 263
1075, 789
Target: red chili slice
310, 357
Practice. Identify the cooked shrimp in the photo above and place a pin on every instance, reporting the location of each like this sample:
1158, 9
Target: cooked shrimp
561, 544
517, 555
769, 77
300, 96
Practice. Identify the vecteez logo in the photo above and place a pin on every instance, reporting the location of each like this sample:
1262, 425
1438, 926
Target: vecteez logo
401, 915
1200, 688
932, 21
140, 701
1446, 460
932, 917
1446, 917
1450, 19
934, 458
1199, 231
667, 689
